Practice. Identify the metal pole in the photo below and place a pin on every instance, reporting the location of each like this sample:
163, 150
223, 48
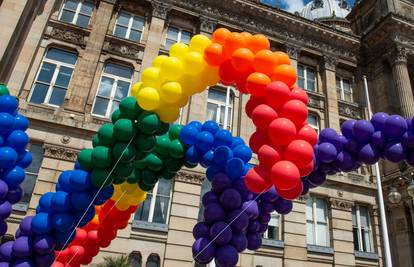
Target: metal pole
388, 261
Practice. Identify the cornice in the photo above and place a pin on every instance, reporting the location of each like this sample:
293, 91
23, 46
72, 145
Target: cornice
341, 204
59, 152
189, 177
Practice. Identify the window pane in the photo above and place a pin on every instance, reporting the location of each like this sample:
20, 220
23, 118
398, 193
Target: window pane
217, 95
101, 105
143, 210
46, 72
354, 219
338, 83
311, 85
138, 23
301, 71
363, 212
172, 33
312, 120
322, 234
63, 77
356, 239
309, 233
169, 43
71, 4
366, 240
87, 8
83, 21
161, 209
28, 185
39, 93
309, 209
273, 233
123, 19
122, 90
37, 158
135, 35
115, 106
320, 210
67, 16
58, 96
346, 85
118, 70
348, 96
61, 55
310, 74
105, 87
164, 188
185, 37
301, 83
212, 111
120, 31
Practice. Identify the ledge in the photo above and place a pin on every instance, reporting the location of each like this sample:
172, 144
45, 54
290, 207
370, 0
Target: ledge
157, 227
273, 243
320, 249
366, 255
20, 207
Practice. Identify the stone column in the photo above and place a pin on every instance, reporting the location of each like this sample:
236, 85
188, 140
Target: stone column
156, 29
329, 88
293, 52
341, 229
86, 66
402, 82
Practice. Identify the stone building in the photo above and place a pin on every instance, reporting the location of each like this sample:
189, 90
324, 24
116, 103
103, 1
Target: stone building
71, 61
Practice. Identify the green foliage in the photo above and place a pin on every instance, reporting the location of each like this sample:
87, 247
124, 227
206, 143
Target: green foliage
122, 261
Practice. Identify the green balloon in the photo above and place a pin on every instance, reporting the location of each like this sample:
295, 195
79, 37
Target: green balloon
123, 169
129, 108
174, 132
124, 152
116, 115
165, 174
85, 159
132, 179
145, 187
176, 149
96, 141
149, 177
106, 135
148, 122
119, 180
124, 129
145, 143
163, 143
163, 129
153, 162
102, 157
173, 165
4, 90
140, 164
101, 177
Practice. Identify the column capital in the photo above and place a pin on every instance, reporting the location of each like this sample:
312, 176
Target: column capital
329, 63
341, 204
293, 51
160, 9
398, 56
207, 24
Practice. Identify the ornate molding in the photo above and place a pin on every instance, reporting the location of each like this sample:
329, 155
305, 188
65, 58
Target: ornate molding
349, 110
69, 36
58, 152
124, 50
293, 51
160, 9
399, 55
316, 101
207, 24
329, 63
189, 177
341, 204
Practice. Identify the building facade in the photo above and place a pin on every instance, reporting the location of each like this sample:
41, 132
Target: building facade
70, 62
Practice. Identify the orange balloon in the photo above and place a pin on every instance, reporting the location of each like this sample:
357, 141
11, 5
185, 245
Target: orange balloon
213, 54
242, 59
282, 58
220, 35
246, 36
258, 42
265, 62
285, 73
232, 42
256, 83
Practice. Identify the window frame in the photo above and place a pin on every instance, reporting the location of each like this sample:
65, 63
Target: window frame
180, 31
360, 231
111, 97
305, 77
77, 12
317, 128
315, 222
229, 104
279, 226
129, 27
341, 90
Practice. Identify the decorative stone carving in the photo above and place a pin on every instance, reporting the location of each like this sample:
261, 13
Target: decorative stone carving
329, 63
399, 55
58, 152
189, 177
65, 139
293, 51
303, 199
68, 36
349, 110
160, 9
207, 24
341, 204
123, 50
316, 101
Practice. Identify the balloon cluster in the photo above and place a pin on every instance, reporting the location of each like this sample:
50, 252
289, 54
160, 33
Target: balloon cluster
165, 87
14, 157
102, 229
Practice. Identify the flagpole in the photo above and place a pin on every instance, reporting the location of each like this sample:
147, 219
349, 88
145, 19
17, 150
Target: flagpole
388, 261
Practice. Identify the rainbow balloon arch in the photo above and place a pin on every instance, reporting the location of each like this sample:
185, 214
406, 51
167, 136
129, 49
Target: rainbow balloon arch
141, 146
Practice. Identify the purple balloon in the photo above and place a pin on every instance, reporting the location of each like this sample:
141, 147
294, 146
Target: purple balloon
203, 250
306, 187
264, 218
5, 210
347, 128
339, 142
22, 247
251, 208
368, 154
263, 228
3, 228
200, 230
230, 199
267, 207
213, 213
26, 226
317, 178
240, 186
43, 244
324, 168
327, 152
210, 197
18, 233
378, 139
408, 139
238, 220
327, 135
283, 206
220, 182
254, 226
6, 251
4, 264
394, 152
271, 195
24, 263
15, 194
395, 126
352, 146
363, 131
378, 120
220, 233
227, 256
254, 241
4, 189
239, 242
345, 161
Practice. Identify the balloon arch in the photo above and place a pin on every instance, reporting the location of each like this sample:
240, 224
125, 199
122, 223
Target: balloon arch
96, 199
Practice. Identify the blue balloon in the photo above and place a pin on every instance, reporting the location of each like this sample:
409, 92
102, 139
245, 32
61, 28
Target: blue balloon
79, 180
196, 124
77, 166
193, 155
204, 141
223, 138
208, 159
243, 152
24, 159
234, 168
1, 141
236, 141
17, 140
81, 200
8, 157
247, 167
63, 222
8, 104
105, 194
64, 181
6, 123
90, 213
188, 135
45, 202
222, 154
210, 126
15, 194
14, 177
64, 237
42, 223
61, 201
212, 170
21, 123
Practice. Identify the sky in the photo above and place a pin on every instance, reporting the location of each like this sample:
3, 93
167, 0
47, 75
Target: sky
292, 5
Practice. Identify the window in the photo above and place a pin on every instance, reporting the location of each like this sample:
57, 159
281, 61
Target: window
156, 207
344, 89
313, 121
53, 78
205, 187
217, 102
176, 35
153, 261
129, 26
77, 12
31, 175
361, 224
113, 87
306, 78
274, 231
317, 231
135, 259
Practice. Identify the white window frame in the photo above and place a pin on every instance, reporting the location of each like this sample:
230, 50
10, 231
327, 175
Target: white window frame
316, 127
305, 77
77, 12
315, 222
359, 226
58, 64
180, 31
113, 90
342, 90
131, 21
228, 116
279, 226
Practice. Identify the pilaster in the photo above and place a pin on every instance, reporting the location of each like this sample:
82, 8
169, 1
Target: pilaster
329, 88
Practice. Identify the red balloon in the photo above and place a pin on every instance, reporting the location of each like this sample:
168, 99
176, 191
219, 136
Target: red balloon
80, 237
263, 115
86, 260
299, 94
77, 253
308, 134
252, 103
295, 110
268, 156
107, 234
300, 152
227, 73
257, 140
281, 131
104, 243
92, 250
257, 180
241, 85
121, 224
93, 238
63, 256
284, 175
57, 264
292, 193
132, 209
277, 94
305, 171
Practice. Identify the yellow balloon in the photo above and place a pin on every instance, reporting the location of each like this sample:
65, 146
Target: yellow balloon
194, 63
135, 89
179, 50
117, 193
170, 92
210, 75
168, 113
171, 69
192, 84
128, 188
148, 98
183, 101
157, 62
199, 43
151, 77
122, 205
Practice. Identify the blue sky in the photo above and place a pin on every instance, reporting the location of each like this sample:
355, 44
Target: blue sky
292, 5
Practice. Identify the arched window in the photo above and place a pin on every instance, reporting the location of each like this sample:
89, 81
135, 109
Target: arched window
135, 259
153, 261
